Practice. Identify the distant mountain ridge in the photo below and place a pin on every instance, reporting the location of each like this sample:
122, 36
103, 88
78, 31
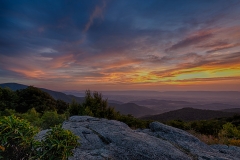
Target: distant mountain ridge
189, 114
13, 86
162, 106
56, 95
123, 108
133, 109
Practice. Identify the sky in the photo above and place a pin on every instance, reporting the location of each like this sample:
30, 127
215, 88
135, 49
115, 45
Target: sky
162, 45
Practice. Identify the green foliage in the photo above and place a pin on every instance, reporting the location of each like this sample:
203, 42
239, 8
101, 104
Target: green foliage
8, 99
32, 116
32, 97
230, 131
133, 122
88, 111
8, 112
44, 121
207, 127
16, 138
57, 144
26, 99
235, 120
179, 124
51, 118
75, 108
17, 141
217, 131
95, 104
61, 106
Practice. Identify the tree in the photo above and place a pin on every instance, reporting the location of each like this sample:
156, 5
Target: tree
96, 104
32, 97
75, 108
8, 99
61, 106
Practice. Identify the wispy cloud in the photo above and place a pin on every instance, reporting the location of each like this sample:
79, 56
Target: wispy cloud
97, 13
214, 44
191, 40
226, 46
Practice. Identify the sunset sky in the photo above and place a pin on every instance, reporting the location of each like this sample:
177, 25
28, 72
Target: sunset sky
162, 45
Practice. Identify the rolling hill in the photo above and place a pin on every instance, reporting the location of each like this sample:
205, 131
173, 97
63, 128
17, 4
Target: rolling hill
162, 106
132, 108
56, 95
235, 110
189, 114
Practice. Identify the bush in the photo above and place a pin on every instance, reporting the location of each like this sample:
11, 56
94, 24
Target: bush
230, 131
95, 105
32, 116
51, 118
178, 124
16, 138
8, 99
75, 108
133, 122
58, 144
17, 141
207, 127
8, 112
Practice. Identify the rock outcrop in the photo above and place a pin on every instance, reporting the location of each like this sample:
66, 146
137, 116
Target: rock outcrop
109, 139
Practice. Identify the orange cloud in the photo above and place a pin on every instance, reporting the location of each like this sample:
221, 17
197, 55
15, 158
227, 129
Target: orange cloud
35, 74
63, 61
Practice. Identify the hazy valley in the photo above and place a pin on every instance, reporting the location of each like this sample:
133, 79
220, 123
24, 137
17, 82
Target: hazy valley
145, 103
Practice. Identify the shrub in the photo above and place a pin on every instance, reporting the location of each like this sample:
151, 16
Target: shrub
16, 138
8, 112
178, 124
61, 106
32, 116
229, 131
51, 118
207, 127
17, 141
95, 104
8, 99
133, 122
58, 144
75, 108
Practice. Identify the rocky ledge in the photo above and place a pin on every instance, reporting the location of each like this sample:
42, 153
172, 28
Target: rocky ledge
109, 139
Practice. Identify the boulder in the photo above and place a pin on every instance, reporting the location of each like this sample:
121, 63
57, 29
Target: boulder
110, 139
